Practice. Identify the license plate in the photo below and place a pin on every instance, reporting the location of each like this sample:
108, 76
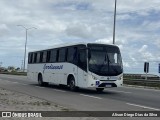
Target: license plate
108, 85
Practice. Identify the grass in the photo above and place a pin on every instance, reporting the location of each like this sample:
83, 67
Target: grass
14, 73
143, 83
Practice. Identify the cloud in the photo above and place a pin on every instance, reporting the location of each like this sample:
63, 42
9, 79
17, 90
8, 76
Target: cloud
61, 21
146, 55
79, 30
125, 64
143, 48
105, 40
3, 29
124, 17
119, 42
157, 43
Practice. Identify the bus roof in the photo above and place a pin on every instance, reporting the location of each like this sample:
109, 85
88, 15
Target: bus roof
71, 44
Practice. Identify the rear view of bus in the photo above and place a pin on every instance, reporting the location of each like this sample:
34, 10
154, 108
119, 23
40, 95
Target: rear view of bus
104, 66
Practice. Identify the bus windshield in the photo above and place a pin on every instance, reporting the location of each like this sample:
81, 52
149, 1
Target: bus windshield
104, 60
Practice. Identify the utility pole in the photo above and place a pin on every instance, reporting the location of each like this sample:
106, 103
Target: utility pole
0, 64
22, 65
114, 24
26, 29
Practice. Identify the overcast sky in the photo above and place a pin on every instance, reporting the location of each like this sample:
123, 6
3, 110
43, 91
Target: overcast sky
67, 21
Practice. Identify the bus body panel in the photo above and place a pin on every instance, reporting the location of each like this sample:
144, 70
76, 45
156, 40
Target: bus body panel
82, 78
58, 76
58, 72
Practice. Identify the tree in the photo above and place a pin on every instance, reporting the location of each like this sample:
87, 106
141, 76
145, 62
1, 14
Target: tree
11, 68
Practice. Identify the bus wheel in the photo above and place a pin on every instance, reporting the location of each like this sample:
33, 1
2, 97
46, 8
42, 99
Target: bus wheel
40, 80
72, 84
99, 89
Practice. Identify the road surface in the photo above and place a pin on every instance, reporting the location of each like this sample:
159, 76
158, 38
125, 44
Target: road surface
112, 99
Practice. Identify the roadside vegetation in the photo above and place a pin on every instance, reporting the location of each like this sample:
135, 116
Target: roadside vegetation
14, 73
140, 80
11, 70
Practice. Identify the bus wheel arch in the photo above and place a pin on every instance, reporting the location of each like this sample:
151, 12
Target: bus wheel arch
71, 83
40, 80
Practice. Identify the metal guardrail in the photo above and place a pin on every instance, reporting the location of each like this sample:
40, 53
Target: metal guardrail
142, 82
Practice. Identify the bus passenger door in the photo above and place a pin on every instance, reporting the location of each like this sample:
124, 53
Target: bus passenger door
82, 68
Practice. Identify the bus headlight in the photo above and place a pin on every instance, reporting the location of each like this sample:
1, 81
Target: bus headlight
120, 78
94, 77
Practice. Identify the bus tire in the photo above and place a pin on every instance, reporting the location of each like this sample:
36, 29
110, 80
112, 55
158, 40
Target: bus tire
99, 89
40, 80
72, 85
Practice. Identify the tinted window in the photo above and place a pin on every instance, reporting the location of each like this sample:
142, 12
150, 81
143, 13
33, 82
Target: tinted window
30, 57
44, 56
38, 57
82, 59
34, 57
62, 53
41, 57
53, 56
48, 56
57, 55
72, 54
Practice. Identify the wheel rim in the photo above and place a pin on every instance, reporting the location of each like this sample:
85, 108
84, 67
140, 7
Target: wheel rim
40, 81
72, 84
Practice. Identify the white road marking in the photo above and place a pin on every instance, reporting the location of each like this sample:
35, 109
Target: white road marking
6, 80
60, 90
39, 86
90, 96
143, 106
14, 82
23, 84
118, 91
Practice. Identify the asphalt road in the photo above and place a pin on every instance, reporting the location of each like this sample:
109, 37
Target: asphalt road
112, 99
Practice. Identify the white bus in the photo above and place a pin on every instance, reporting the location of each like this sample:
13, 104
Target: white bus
81, 65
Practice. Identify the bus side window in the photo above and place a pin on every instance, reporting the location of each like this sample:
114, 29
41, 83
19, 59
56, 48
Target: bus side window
75, 55
66, 54
38, 57
48, 56
62, 54
35, 57
41, 57
44, 56
53, 56
30, 57
72, 55
57, 55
